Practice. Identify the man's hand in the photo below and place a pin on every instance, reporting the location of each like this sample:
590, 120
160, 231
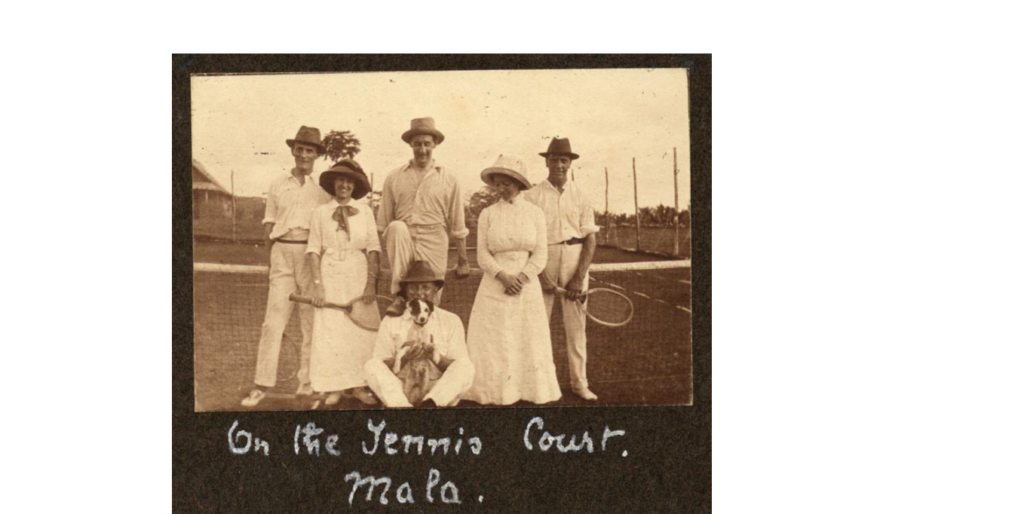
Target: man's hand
574, 288
462, 270
413, 353
318, 295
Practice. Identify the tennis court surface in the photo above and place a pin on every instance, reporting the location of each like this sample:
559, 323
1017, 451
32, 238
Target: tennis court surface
647, 362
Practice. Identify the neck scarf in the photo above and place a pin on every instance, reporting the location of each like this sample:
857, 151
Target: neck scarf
341, 215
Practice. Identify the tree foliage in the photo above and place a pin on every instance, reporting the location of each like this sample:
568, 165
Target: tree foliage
340, 145
660, 216
481, 199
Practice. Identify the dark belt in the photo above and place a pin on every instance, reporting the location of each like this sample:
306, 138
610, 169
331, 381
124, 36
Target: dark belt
573, 241
291, 242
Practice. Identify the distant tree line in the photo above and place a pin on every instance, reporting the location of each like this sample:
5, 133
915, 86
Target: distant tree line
660, 216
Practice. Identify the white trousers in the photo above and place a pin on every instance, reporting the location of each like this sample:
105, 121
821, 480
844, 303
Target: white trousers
456, 380
406, 244
562, 263
288, 274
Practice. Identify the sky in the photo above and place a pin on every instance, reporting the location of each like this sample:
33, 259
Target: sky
240, 124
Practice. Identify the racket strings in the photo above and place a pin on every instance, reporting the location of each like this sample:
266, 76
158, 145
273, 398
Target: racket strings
609, 307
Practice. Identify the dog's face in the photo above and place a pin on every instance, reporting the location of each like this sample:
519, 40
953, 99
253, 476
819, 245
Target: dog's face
420, 311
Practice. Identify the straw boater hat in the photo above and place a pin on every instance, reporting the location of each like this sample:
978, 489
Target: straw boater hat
560, 147
309, 136
349, 169
419, 271
423, 126
509, 166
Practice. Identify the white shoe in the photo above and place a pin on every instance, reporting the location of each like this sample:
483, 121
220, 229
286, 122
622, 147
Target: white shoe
333, 398
255, 397
304, 390
585, 393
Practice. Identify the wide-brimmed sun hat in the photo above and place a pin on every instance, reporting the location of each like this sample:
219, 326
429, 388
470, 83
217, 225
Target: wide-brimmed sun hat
560, 146
309, 136
421, 126
347, 168
511, 167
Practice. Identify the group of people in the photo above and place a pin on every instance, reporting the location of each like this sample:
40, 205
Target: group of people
534, 247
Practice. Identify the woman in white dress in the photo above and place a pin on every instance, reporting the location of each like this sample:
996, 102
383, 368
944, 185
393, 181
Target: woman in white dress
344, 256
509, 340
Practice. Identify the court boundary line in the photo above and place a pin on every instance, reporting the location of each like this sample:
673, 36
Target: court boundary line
212, 267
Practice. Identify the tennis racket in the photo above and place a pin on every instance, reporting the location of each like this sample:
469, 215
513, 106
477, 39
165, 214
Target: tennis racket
605, 306
362, 318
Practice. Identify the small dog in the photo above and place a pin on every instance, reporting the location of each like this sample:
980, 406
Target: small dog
419, 373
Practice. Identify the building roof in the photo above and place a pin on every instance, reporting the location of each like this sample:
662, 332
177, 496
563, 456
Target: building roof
206, 181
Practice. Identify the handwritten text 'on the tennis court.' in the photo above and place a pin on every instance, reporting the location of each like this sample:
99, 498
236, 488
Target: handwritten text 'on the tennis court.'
307, 438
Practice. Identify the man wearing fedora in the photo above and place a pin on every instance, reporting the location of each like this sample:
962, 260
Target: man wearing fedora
291, 200
447, 334
421, 206
571, 230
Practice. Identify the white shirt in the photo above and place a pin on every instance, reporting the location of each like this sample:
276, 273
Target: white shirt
328, 240
519, 226
290, 204
568, 214
449, 335
420, 198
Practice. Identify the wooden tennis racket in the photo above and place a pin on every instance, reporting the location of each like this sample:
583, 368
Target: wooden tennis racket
368, 319
605, 306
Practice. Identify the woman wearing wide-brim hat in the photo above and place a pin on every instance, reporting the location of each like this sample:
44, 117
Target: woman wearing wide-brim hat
509, 341
344, 258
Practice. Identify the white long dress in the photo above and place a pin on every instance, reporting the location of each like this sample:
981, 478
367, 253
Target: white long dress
509, 340
340, 347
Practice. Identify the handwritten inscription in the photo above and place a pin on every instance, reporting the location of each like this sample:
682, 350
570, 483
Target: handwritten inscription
235, 439
546, 440
310, 440
442, 444
449, 493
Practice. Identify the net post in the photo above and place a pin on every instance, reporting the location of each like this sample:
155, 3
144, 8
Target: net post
607, 216
675, 189
636, 203
234, 217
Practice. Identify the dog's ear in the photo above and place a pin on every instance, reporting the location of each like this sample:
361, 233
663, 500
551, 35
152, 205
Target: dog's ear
430, 305
414, 307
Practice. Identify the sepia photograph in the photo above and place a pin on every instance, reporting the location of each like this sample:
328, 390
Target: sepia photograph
447, 239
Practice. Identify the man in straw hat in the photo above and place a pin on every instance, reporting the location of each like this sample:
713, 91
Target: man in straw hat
421, 205
571, 235
290, 204
444, 330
